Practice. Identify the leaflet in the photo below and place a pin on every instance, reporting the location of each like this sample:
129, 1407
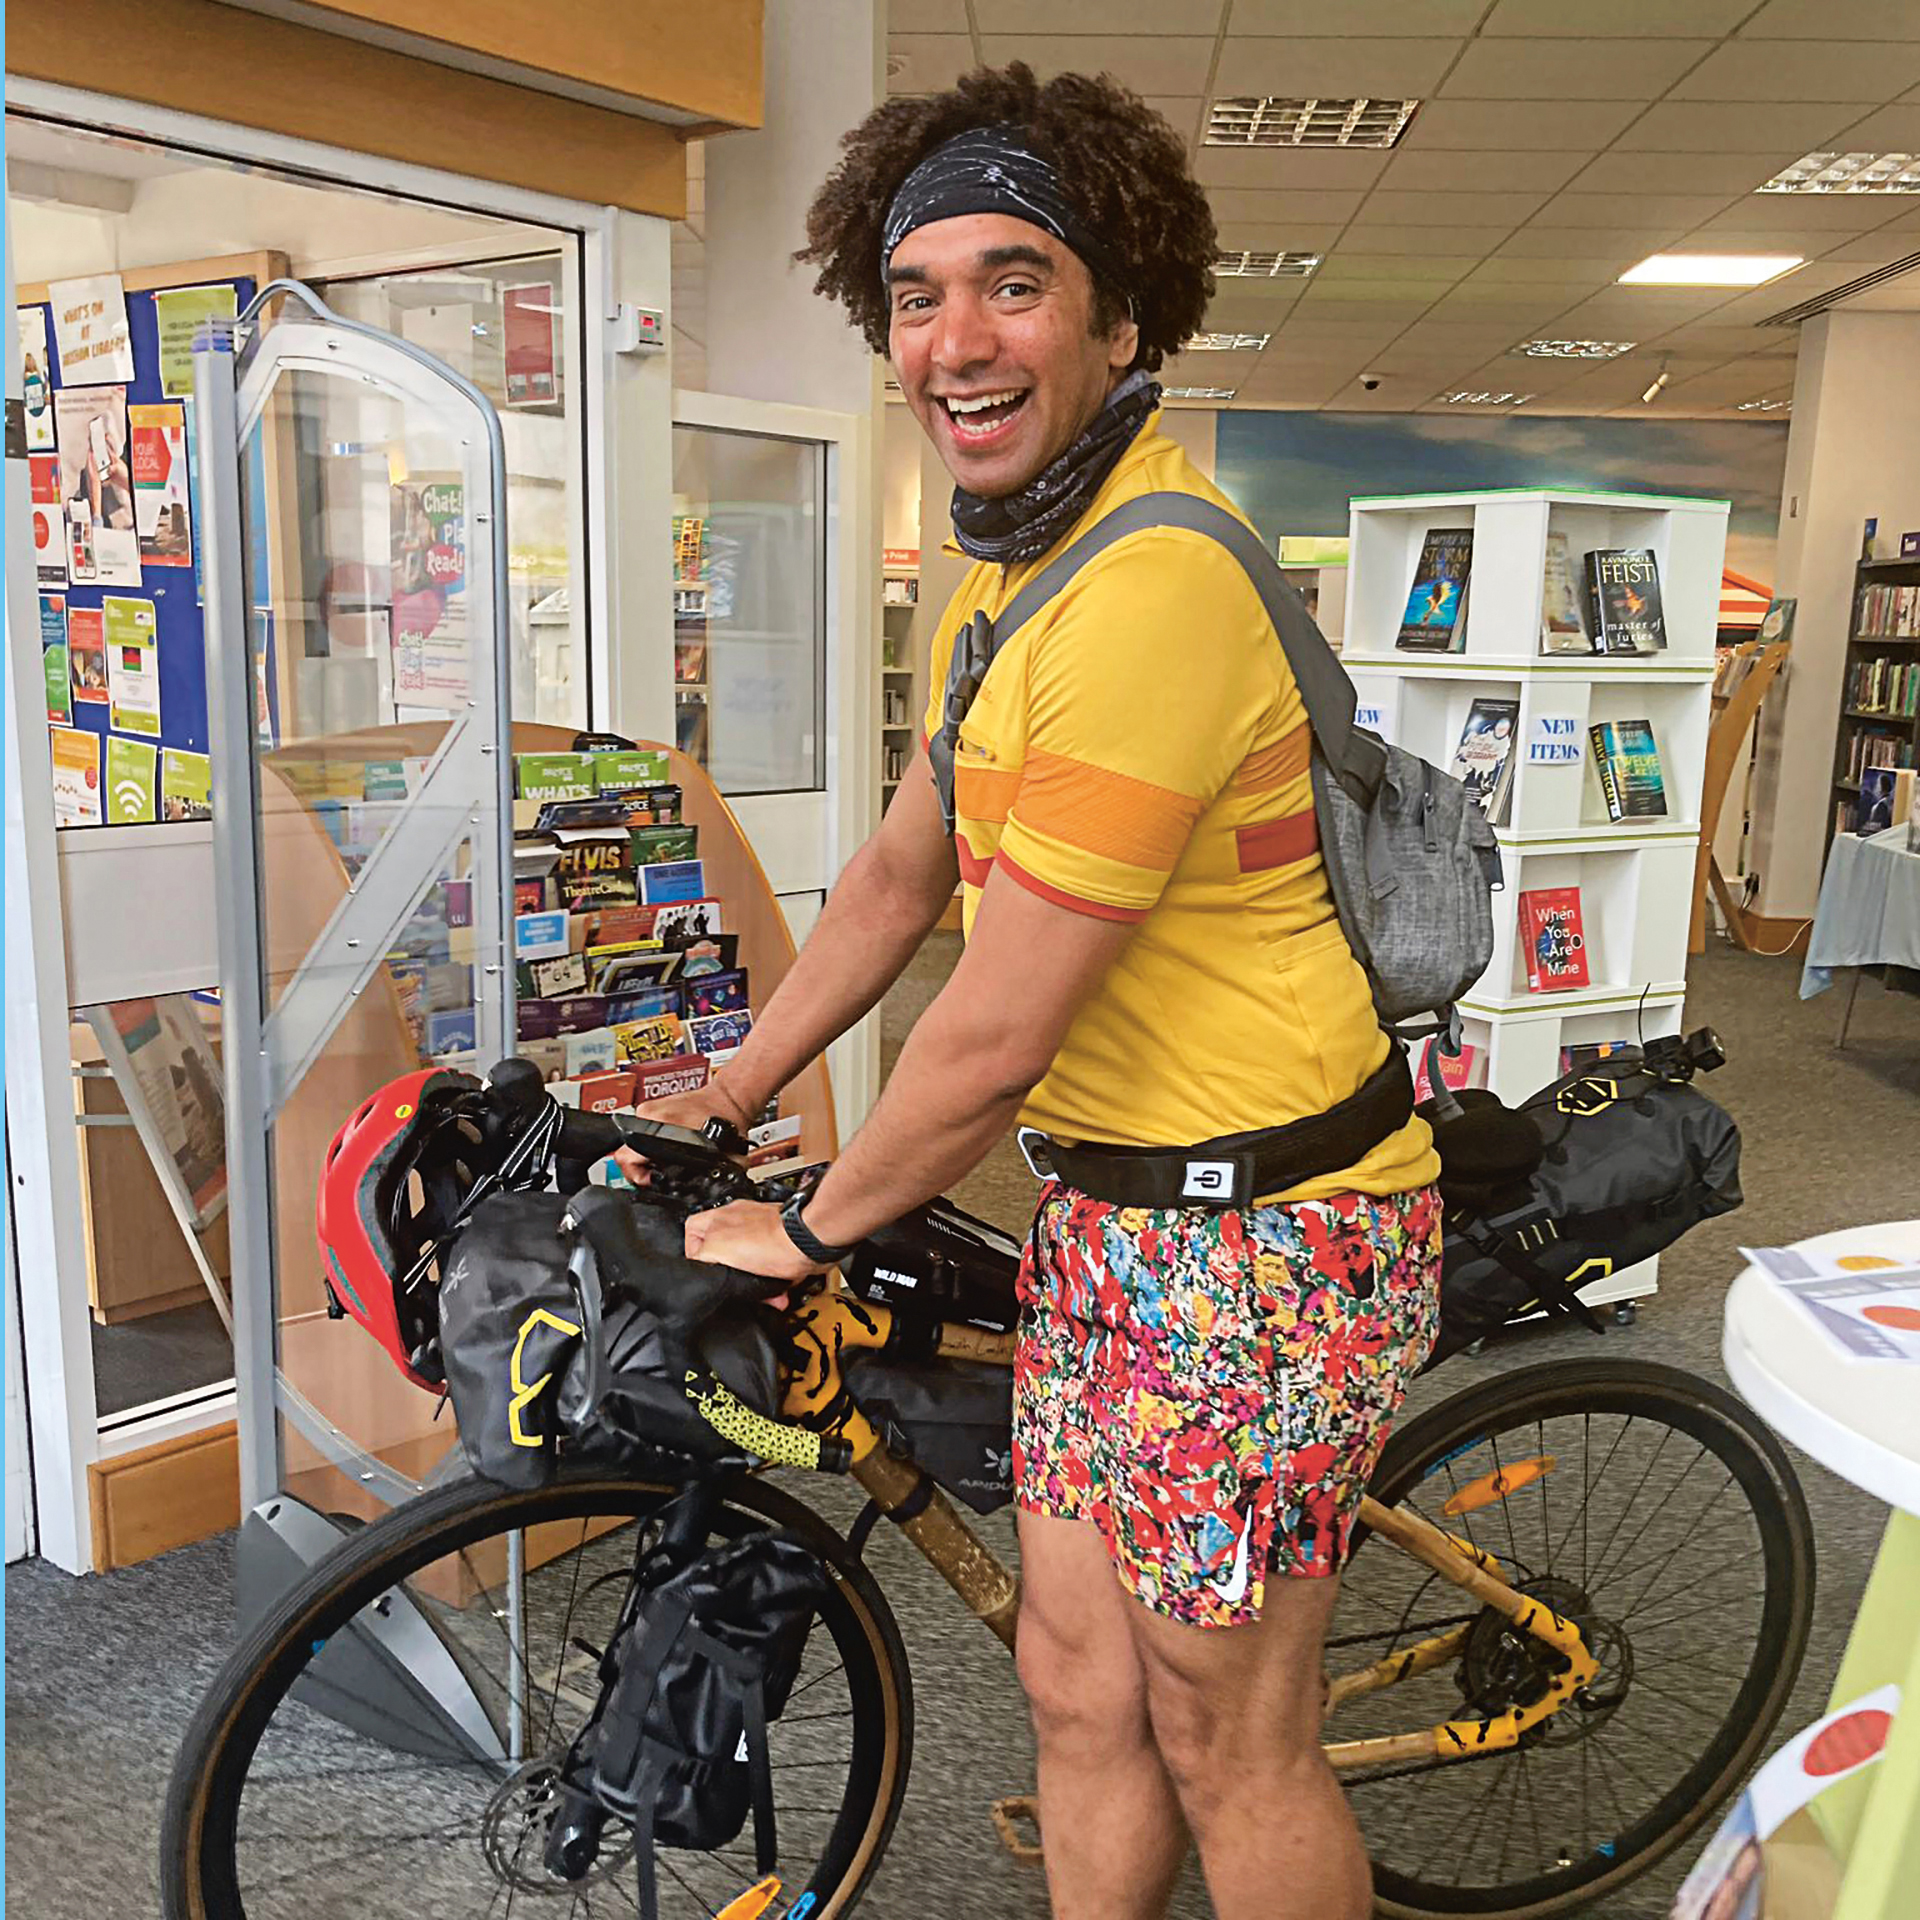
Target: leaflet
1870, 1312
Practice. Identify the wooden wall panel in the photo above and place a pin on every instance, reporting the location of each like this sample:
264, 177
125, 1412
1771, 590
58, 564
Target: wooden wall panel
197, 56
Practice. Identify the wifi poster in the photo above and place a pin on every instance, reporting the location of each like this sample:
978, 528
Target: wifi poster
130, 782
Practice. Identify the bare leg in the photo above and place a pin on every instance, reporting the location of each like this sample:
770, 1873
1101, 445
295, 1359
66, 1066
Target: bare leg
1236, 1717
1108, 1817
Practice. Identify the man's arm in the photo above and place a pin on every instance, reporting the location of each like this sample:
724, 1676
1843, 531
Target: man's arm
880, 910
970, 1061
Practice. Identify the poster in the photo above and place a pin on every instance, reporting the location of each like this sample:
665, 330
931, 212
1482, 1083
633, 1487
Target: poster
130, 781
133, 667
160, 509
96, 486
76, 776
49, 519
186, 785
90, 329
87, 655
178, 314
527, 316
36, 378
53, 656
431, 663
178, 1081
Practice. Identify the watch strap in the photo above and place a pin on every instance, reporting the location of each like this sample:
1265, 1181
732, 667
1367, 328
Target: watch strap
809, 1243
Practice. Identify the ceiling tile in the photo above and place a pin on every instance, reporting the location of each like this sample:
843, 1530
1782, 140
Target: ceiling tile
1625, 244
927, 62
1382, 69
1708, 126
1290, 168
1713, 336
1636, 313
1156, 64
1511, 270
1618, 19
1234, 204
1281, 236
1875, 249
1570, 69
1635, 170
1803, 70
1422, 239
1440, 171
1432, 264
1548, 125
1834, 20
1835, 213
1208, 369
1181, 113
1648, 212
1336, 312
1358, 18
926, 16
1387, 209
1807, 244
1231, 311
1431, 336
1891, 130
1109, 18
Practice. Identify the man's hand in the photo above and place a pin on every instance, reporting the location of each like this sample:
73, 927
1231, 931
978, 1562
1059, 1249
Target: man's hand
748, 1234
691, 1110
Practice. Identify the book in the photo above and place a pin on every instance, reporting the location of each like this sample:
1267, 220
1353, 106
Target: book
1456, 1071
1886, 799
1432, 622
719, 1033
595, 867
658, 1037
1627, 758
656, 1079
653, 844
717, 993
1623, 600
1554, 939
1483, 761
1562, 630
671, 882
713, 953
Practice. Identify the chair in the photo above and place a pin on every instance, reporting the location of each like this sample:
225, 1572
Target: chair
1739, 687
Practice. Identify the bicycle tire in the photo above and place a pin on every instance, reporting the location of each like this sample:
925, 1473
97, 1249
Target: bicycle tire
1758, 1464
198, 1872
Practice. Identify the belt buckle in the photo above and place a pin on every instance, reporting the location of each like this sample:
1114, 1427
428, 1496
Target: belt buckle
1033, 1146
1217, 1180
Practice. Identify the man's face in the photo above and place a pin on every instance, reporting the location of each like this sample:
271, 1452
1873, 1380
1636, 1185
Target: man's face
987, 308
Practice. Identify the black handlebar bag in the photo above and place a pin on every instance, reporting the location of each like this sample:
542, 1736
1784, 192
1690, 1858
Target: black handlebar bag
1608, 1166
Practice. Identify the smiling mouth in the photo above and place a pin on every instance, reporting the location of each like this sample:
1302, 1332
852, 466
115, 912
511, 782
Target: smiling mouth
981, 416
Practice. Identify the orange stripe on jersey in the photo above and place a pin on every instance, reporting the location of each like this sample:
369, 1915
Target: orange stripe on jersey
1278, 843
984, 793
1275, 766
973, 869
1098, 909
1110, 815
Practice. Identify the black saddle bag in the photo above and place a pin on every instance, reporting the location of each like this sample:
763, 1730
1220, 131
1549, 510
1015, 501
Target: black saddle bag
954, 1417
701, 1664
1609, 1165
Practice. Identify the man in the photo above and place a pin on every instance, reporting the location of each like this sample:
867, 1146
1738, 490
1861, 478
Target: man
1152, 961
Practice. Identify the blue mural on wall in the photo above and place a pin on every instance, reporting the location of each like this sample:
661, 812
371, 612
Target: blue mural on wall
1295, 472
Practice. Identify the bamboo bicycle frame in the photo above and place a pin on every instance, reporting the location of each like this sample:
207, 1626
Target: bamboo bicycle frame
835, 1322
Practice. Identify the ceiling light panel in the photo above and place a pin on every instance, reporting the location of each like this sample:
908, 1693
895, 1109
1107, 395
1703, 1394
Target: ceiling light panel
1258, 120
1710, 269
1227, 343
1253, 263
1574, 349
1199, 393
1849, 173
1485, 399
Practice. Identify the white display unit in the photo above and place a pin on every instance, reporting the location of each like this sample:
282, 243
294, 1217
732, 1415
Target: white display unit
1635, 877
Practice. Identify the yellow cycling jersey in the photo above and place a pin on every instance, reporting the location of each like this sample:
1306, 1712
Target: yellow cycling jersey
1139, 751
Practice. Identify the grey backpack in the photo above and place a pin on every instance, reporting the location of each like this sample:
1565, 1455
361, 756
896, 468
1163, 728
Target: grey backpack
1411, 860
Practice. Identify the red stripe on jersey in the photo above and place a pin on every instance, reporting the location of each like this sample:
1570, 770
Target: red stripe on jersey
1278, 843
1073, 902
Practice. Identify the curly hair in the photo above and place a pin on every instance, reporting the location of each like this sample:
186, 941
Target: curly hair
1121, 166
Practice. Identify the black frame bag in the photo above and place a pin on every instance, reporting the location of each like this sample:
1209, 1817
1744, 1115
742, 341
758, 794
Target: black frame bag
952, 1417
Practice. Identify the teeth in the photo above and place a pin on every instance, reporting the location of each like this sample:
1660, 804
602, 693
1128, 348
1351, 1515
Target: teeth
956, 405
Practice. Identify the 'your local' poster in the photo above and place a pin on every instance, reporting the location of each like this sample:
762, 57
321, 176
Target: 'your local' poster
160, 507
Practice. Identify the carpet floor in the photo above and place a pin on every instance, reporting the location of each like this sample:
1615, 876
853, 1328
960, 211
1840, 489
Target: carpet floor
103, 1674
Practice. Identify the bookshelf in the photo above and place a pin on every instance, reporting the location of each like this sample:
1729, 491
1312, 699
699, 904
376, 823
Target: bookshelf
1635, 876
1883, 640
899, 714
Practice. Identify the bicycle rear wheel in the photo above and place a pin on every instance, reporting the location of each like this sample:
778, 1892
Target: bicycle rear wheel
279, 1811
1670, 1527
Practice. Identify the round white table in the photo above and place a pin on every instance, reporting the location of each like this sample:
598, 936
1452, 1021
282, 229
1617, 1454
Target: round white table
1861, 1420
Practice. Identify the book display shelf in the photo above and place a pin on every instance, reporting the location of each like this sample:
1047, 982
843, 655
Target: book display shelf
1879, 722
1634, 876
899, 711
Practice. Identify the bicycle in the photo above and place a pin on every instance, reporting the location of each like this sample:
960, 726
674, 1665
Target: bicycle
1510, 1665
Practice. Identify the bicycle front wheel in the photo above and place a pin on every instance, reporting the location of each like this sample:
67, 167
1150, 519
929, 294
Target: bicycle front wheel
1659, 1515
289, 1801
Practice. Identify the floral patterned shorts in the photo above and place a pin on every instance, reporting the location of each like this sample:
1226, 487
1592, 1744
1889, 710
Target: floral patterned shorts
1212, 1388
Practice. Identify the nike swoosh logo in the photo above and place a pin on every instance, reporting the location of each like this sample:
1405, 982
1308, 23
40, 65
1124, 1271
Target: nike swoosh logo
1233, 1589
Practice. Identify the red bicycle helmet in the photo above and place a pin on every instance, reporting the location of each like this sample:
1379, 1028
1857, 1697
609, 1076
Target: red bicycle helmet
399, 1176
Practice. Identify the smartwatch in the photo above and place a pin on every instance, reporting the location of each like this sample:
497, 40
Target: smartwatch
814, 1248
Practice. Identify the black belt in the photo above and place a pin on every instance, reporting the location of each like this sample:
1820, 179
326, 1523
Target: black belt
1235, 1169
